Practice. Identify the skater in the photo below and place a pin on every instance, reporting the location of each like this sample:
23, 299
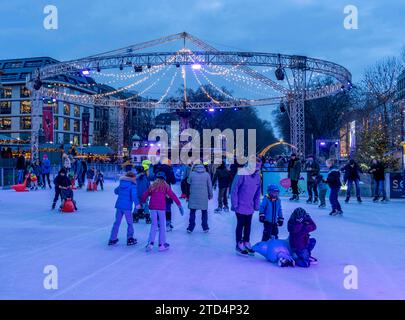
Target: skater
378, 171
270, 213
33, 180
294, 172
200, 194
90, 176
245, 198
78, 170
21, 166
300, 225
66, 162
158, 192
84, 171
352, 175
223, 176
185, 186
127, 196
46, 170
312, 169
99, 179
60, 181
276, 251
142, 185
334, 183
322, 189
167, 169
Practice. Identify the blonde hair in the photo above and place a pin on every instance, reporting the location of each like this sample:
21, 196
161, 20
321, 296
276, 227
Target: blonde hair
158, 185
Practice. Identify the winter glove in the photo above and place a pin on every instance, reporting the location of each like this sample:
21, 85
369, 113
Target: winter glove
261, 217
280, 221
181, 210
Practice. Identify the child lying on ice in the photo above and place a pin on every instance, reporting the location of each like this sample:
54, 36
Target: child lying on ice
275, 251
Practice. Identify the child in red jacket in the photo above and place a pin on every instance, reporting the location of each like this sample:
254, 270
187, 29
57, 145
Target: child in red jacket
158, 192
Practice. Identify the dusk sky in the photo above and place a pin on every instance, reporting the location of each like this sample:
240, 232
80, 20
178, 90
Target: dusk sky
306, 27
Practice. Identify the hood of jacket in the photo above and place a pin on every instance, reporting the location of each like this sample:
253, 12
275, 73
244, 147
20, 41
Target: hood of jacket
199, 168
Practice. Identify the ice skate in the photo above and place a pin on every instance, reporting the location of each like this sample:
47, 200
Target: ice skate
339, 212
240, 249
169, 227
164, 247
315, 200
149, 247
347, 199
148, 219
226, 209
313, 260
375, 199
135, 217
189, 231
384, 200
359, 200
131, 241
218, 210
206, 230
309, 200
248, 248
322, 205
113, 242
333, 212
292, 198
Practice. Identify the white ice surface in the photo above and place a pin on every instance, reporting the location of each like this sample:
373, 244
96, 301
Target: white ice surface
197, 266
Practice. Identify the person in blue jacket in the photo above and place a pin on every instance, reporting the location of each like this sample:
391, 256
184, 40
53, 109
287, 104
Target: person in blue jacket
127, 195
270, 213
46, 170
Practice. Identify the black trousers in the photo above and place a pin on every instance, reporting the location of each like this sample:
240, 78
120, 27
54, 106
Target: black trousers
312, 188
294, 187
243, 227
57, 195
270, 229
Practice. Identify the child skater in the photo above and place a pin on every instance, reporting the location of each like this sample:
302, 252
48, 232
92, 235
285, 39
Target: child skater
271, 214
127, 196
67, 193
334, 183
99, 179
300, 225
90, 176
157, 206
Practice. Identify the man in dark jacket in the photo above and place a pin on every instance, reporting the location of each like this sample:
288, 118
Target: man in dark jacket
21, 166
377, 169
61, 181
312, 169
294, 172
223, 176
352, 175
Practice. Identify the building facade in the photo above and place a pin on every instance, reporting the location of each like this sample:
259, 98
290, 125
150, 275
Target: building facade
62, 122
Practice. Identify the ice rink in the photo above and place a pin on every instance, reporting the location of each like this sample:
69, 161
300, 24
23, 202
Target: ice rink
197, 266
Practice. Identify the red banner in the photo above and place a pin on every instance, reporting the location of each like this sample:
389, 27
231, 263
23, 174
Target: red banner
47, 123
85, 127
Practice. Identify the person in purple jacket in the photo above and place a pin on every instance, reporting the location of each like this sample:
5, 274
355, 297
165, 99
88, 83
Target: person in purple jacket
300, 225
245, 199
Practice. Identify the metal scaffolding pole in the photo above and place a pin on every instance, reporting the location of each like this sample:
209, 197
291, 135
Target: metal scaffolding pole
121, 124
36, 111
297, 105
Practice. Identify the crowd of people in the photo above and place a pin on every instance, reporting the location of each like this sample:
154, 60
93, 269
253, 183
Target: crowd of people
147, 194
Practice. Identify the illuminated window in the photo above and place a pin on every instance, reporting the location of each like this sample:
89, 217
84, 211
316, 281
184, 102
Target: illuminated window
5, 123
5, 107
25, 107
55, 123
76, 125
66, 124
76, 140
66, 109
6, 93
25, 123
24, 92
76, 110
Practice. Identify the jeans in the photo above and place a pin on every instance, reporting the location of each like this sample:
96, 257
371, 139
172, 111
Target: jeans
20, 176
312, 188
204, 219
223, 197
322, 196
270, 229
243, 225
162, 225
116, 226
379, 186
333, 198
301, 257
349, 187
46, 175
294, 187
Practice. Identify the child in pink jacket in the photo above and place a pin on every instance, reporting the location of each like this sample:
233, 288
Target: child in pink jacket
158, 192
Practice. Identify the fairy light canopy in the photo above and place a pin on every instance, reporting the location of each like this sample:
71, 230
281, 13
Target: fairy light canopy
252, 79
